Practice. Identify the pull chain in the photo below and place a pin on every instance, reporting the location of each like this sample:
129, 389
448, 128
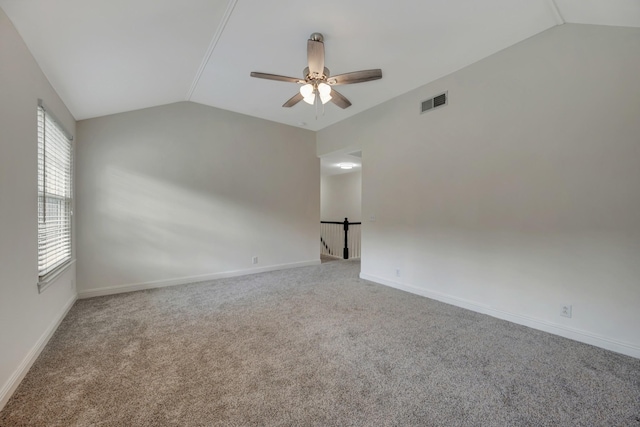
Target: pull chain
318, 101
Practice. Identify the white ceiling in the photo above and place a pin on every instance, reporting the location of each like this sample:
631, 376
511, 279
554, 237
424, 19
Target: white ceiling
110, 56
330, 164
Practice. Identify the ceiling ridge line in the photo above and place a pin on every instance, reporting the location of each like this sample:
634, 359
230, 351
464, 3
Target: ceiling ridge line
212, 45
556, 12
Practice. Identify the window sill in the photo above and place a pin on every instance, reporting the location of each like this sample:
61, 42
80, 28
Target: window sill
50, 278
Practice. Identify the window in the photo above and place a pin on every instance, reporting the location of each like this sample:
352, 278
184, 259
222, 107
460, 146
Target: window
54, 197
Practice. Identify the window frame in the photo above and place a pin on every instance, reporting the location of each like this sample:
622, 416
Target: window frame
60, 168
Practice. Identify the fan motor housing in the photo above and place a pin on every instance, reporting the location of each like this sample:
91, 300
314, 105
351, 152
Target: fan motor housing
308, 77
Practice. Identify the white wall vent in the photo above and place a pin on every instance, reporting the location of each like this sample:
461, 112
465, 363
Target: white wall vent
435, 102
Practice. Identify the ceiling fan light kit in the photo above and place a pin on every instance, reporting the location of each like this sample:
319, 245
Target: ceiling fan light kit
317, 82
310, 91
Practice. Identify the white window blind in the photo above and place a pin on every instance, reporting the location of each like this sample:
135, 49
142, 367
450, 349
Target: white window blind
54, 195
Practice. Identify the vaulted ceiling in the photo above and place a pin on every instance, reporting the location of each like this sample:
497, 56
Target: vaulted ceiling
111, 56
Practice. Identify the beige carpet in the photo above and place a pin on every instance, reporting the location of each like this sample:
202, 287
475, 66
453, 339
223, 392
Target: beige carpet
313, 346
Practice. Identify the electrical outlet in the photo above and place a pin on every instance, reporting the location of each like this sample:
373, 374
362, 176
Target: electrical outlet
372, 218
397, 272
566, 311
254, 260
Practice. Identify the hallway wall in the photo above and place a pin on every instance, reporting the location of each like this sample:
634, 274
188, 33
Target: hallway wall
341, 197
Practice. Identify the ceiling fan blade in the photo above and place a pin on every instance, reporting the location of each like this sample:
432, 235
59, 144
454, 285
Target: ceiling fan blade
355, 77
293, 100
276, 77
339, 99
315, 57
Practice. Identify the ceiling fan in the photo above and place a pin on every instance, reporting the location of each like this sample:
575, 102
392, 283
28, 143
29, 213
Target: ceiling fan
317, 82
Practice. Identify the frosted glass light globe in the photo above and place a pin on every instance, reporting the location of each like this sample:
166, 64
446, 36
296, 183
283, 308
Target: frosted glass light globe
307, 92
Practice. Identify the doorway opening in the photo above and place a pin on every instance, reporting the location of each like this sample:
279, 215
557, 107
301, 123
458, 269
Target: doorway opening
340, 205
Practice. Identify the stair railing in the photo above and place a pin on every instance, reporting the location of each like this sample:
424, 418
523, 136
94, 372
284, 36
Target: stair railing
336, 237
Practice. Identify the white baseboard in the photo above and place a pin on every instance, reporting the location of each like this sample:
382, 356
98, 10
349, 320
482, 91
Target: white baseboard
118, 289
542, 325
14, 381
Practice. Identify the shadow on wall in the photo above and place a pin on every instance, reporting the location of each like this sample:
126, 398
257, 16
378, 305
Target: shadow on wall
143, 228
161, 222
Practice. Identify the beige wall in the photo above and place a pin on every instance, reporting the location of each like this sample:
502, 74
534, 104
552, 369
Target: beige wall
27, 318
341, 197
521, 195
186, 192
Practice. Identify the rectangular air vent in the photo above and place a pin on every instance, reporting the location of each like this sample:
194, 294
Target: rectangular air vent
435, 102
